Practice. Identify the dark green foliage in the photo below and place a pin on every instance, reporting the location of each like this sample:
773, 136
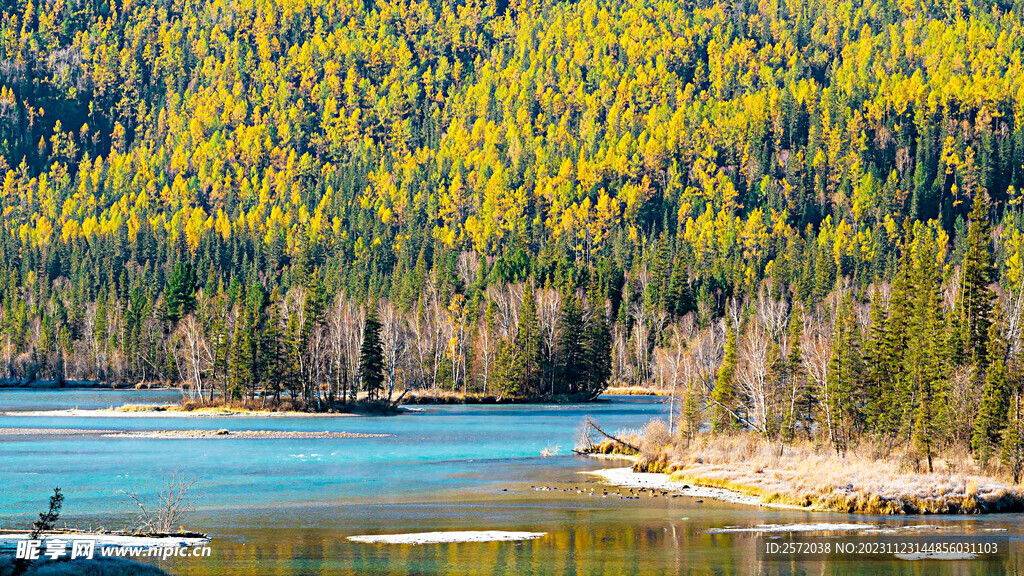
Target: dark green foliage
597, 342
724, 394
925, 358
1011, 453
371, 359
976, 298
991, 420
571, 347
180, 292
521, 358
843, 399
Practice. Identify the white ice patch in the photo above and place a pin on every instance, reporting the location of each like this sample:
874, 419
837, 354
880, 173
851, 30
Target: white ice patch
447, 537
816, 527
626, 478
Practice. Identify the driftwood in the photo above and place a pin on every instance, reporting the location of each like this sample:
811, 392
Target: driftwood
593, 425
399, 399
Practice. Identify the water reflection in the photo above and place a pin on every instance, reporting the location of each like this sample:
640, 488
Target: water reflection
586, 536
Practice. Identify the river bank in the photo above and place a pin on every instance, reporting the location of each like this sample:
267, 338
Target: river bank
657, 482
633, 391
870, 480
439, 396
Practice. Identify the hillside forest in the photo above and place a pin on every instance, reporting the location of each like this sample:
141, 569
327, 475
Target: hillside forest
802, 217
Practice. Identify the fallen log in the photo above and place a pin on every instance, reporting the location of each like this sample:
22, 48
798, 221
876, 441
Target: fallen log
598, 429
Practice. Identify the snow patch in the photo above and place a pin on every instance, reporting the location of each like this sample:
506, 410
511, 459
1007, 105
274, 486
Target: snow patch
447, 537
627, 478
815, 527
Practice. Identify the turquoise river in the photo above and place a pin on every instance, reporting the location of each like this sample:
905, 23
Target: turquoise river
287, 507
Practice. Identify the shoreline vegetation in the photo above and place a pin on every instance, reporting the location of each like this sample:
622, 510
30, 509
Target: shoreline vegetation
874, 479
629, 390
441, 396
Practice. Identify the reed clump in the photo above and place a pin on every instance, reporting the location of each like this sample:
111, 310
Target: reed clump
870, 479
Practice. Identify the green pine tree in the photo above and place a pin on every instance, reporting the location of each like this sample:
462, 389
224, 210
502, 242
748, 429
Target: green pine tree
180, 293
597, 342
1011, 452
724, 393
239, 369
976, 297
527, 368
925, 355
845, 375
371, 359
571, 354
991, 418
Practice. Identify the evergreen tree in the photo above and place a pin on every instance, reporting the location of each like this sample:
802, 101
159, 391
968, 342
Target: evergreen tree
877, 377
271, 350
526, 372
802, 400
180, 293
238, 368
312, 322
976, 297
371, 359
679, 295
597, 343
571, 360
724, 393
844, 377
1011, 452
924, 358
991, 419
896, 393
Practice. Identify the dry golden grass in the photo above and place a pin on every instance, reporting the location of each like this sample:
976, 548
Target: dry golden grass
869, 479
445, 396
147, 408
633, 391
216, 407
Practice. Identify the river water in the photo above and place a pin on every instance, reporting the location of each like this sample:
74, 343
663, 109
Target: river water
287, 506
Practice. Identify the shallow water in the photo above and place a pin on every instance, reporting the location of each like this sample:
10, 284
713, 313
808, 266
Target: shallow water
288, 506
92, 398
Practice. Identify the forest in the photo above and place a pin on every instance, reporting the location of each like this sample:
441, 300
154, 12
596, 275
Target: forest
803, 217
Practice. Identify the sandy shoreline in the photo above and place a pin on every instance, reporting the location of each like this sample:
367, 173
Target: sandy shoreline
627, 478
